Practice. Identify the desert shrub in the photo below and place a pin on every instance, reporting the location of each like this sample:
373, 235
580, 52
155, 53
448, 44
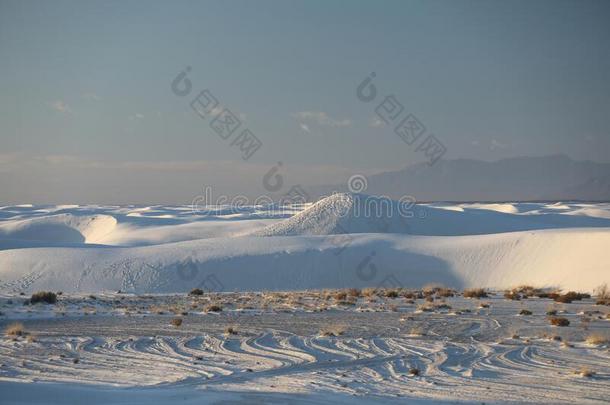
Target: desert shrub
177, 322
354, 292
445, 292
340, 295
475, 293
230, 330
512, 295
409, 295
414, 371
525, 312
427, 307
559, 321
551, 312
15, 329
196, 291
571, 296
47, 297
552, 295
596, 339
213, 308
391, 293
484, 305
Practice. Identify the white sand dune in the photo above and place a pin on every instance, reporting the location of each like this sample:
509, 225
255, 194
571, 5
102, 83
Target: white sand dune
332, 243
59, 228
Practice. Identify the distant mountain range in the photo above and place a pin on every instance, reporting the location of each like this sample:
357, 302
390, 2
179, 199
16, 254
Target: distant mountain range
554, 177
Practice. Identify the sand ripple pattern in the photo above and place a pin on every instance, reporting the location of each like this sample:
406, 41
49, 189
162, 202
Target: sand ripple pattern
540, 371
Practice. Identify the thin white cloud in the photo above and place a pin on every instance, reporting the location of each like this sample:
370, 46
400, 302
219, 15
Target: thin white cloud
60, 107
320, 118
304, 128
136, 116
218, 109
91, 97
376, 123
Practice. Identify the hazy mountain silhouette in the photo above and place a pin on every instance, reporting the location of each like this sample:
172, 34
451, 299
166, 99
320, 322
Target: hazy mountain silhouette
554, 177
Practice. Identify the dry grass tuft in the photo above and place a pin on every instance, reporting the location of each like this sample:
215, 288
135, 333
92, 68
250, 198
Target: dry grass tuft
596, 339
333, 330
369, 292
603, 295
177, 322
230, 330
15, 330
586, 372
559, 321
525, 312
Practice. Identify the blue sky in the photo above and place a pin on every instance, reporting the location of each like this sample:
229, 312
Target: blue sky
85, 89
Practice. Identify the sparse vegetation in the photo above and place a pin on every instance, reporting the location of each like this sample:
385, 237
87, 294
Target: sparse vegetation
512, 295
177, 322
475, 293
445, 292
525, 312
414, 371
46, 297
230, 330
559, 321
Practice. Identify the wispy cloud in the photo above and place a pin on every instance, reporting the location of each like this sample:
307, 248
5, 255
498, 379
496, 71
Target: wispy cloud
218, 109
304, 128
495, 144
60, 107
136, 116
319, 118
91, 97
